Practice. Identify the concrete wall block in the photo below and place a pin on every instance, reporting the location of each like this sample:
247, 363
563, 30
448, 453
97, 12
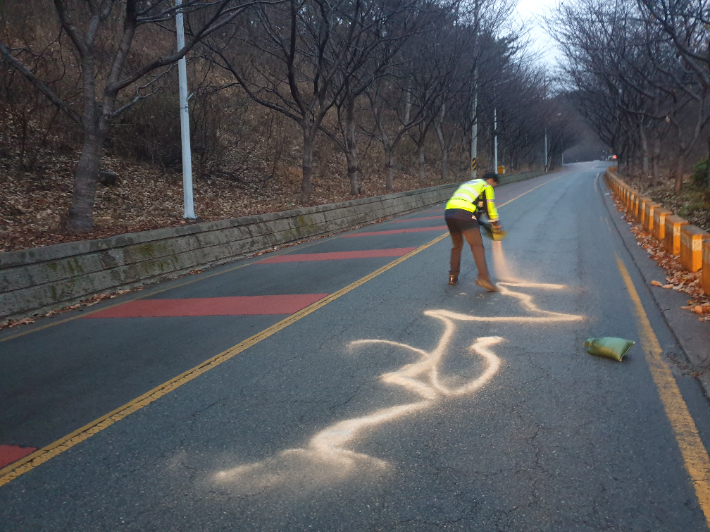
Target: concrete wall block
211, 238
14, 279
671, 239
236, 234
110, 258
691, 247
66, 268
259, 229
15, 302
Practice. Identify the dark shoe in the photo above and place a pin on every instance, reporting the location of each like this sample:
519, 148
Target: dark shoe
453, 278
488, 285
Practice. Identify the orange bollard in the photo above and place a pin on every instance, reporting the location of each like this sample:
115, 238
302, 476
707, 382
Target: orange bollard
659, 223
671, 239
643, 200
634, 204
691, 247
648, 210
705, 278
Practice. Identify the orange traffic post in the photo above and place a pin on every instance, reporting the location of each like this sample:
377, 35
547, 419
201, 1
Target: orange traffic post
691, 247
634, 205
631, 199
648, 211
659, 222
671, 239
643, 200
705, 278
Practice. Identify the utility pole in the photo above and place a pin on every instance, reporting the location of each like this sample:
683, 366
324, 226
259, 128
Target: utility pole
545, 149
184, 120
495, 140
474, 126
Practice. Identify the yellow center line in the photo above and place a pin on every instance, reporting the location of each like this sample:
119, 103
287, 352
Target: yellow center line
16, 469
695, 456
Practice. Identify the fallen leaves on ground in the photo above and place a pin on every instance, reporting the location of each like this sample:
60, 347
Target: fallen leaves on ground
87, 302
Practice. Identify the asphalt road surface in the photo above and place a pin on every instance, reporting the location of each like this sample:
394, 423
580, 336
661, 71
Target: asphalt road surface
342, 384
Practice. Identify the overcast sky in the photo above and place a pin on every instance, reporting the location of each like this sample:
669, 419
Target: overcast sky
530, 13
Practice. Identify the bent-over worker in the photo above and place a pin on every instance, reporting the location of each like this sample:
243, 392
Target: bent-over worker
463, 210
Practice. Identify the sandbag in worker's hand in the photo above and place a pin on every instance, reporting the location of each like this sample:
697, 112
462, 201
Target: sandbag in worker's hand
495, 231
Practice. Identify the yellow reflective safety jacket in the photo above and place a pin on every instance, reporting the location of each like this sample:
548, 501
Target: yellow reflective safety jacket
468, 195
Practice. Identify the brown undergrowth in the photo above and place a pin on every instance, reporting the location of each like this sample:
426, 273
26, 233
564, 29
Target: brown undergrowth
146, 197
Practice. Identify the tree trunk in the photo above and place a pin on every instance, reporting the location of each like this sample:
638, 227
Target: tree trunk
445, 164
656, 158
465, 162
644, 150
444, 148
420, 146
389, 167
308, 144
680, 163
81, 213
351, 147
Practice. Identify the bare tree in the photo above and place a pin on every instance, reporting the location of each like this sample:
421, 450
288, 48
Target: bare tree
303, 56
101, 34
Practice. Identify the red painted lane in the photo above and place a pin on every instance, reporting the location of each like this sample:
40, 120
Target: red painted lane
210, 306
339, 255
417, 219
396, 231
12, 453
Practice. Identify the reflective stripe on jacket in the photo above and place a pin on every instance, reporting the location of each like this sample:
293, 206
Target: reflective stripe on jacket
467, 196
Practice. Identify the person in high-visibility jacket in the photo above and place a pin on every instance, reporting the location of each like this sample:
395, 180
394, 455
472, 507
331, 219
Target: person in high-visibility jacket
463, 210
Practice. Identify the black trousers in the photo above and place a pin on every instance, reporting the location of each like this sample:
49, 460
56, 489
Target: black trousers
469, 230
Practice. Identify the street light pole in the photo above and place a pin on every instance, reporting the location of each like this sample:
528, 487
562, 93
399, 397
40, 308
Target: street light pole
495, 140
184, 120
474, 126
545, 149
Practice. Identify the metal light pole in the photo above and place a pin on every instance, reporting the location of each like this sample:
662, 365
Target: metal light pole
545, 149
474, 126
184, 120
495, 140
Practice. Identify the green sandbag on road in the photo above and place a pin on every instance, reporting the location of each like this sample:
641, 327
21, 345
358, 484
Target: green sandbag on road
608, 347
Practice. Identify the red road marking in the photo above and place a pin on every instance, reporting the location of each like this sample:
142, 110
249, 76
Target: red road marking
339, 255
417, 219
12, 453
396, 231
210, 306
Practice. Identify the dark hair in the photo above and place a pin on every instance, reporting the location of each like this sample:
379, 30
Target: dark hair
493, 176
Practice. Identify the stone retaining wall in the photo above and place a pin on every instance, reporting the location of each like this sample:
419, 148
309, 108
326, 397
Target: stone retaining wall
46, 278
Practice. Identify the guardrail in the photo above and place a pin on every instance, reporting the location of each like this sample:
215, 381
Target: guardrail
681, 239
